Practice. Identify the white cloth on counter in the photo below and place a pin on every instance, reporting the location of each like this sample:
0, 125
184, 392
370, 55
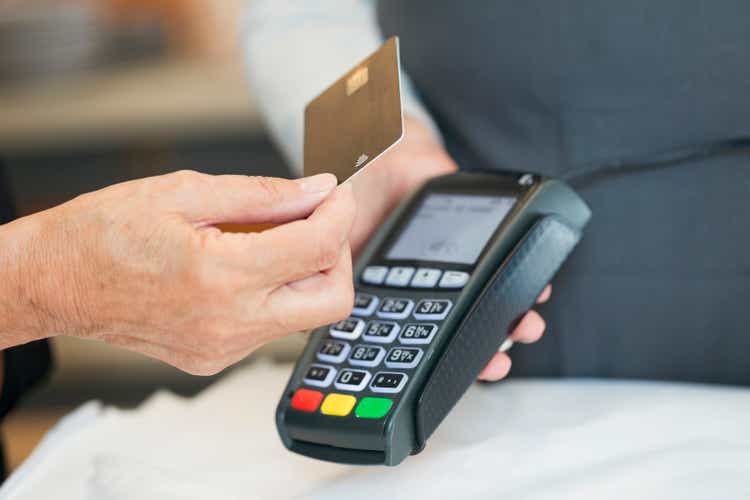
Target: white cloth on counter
521, 439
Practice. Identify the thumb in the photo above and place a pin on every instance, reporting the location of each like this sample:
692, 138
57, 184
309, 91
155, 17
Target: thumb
239, 199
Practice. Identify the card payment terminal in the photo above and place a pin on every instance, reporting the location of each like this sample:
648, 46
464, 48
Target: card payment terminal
438, 288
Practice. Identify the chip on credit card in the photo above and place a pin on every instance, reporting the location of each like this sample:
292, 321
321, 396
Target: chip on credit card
358, 118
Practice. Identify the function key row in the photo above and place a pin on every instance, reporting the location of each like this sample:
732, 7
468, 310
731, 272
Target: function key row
399, 308
354, 380
378, 332
422, 277
370, 356
340, 405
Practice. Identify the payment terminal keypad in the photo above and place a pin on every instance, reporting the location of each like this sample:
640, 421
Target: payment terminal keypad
453, 279
349, 329
399, 276
389, 382
418, 333
365, 361
394, 308
352, 380
320, 375
381, 332
365, 304
432, 309
426, 278
375, 275
366, 355
403, 357
333, 351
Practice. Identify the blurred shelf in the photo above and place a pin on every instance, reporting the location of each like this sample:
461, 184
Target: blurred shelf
161, 101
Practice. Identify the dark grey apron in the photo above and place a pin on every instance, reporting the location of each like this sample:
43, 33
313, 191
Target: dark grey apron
585, 90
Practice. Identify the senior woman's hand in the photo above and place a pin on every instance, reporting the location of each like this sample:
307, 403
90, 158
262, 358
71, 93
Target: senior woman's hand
142, 265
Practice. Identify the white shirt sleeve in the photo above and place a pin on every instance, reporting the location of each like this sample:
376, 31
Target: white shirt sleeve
297, 48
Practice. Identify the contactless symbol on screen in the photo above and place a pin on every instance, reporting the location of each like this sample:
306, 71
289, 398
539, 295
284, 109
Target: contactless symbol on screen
443, 247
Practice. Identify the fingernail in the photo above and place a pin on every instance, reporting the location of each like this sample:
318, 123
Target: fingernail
321, 183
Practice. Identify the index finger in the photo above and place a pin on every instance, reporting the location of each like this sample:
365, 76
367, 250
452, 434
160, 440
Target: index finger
302, 248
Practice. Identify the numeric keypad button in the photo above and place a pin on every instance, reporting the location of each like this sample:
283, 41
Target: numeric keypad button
454, 279
366, 355
426, 278
374, 275
348, 329
333, 351
352, 380
394, 308
364, 304
418, 333
399, 276
403, 357
432, 309
381, 332
388, 382
306, 400
319, 375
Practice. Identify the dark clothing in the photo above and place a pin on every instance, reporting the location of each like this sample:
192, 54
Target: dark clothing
24, 365
658, 287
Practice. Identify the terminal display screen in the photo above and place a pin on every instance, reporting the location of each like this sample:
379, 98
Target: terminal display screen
451, 228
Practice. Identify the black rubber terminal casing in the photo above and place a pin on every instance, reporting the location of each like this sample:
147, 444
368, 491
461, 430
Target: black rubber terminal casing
523, 255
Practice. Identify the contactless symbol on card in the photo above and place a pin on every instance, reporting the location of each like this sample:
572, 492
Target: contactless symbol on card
355, 120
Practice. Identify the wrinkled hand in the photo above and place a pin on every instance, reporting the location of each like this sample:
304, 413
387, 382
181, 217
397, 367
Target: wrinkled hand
384, 184
141, 265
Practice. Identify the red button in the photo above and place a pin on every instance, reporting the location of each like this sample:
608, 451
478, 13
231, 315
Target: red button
306, 400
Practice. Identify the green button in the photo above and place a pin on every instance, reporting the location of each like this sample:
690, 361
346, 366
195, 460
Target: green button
373, 407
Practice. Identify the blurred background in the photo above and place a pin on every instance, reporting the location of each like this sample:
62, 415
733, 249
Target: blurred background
94, 92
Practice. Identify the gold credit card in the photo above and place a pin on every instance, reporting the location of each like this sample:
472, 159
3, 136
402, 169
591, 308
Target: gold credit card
356, 119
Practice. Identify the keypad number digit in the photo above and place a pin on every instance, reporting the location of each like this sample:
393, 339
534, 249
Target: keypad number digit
418, 333
352, 380
333, 351
403, 357
432, 309
393, 308
366, 355
348, 329
381, 332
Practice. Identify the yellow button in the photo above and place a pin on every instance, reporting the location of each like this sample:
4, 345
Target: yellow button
339, 405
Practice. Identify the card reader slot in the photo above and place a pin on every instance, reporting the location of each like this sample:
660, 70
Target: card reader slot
509, 294
336, 454
346, 432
